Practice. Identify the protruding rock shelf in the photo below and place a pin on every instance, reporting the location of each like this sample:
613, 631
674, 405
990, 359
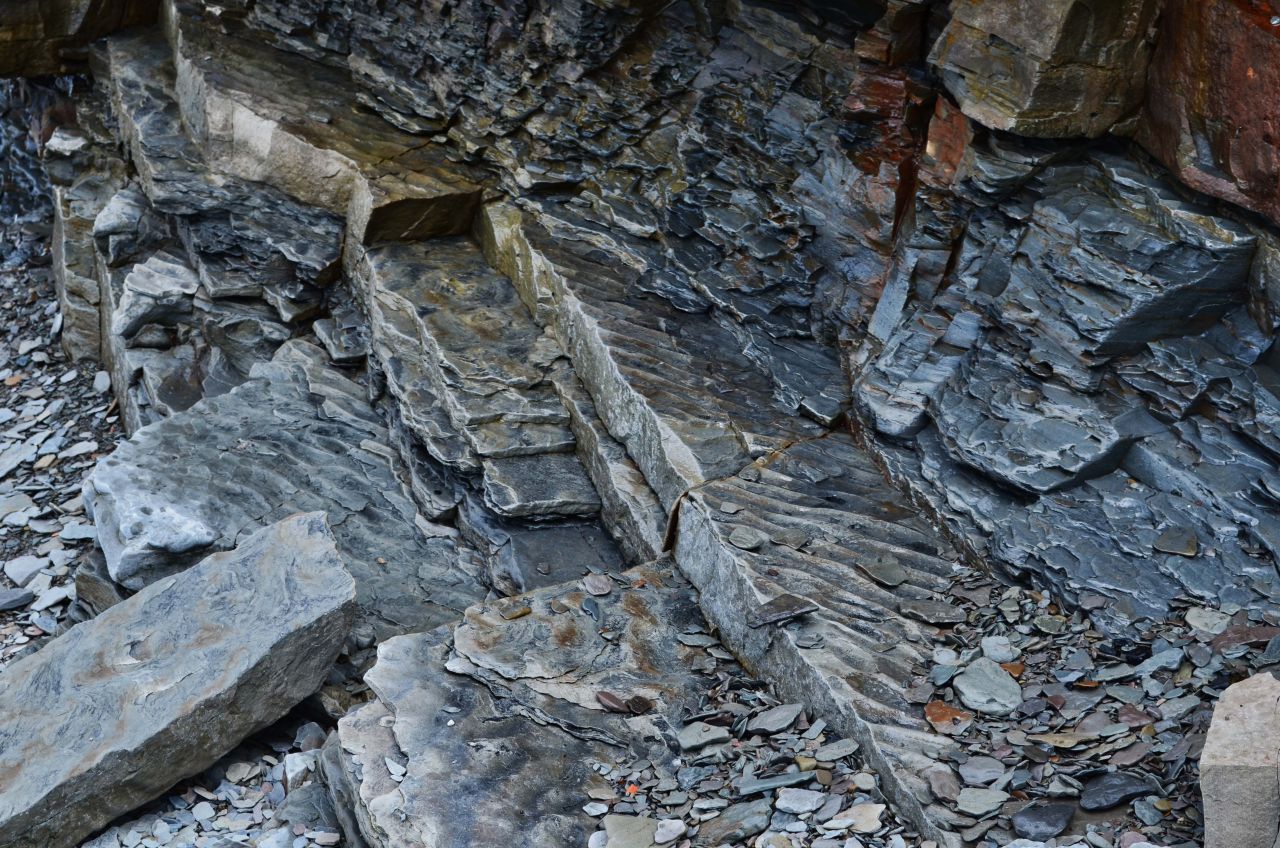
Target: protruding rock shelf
297, 436
161, 685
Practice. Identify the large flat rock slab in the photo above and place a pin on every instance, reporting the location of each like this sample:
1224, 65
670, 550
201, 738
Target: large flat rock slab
500, 748
297, 436
159, 686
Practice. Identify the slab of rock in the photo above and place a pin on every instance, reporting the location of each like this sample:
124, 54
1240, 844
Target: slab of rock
1059, 68
299, 435
386, 182
161, 685
497, 749
1042, 821
986, 687
1238, 766
736, 824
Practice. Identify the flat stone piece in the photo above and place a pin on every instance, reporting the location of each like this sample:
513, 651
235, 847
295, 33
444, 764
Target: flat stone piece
776, 719
262, 623
931, 612
22, 570
1113, 789
780, 609
834, 751
777, 781
1041, 821
980, 802
980, 771
987, 688
699, 734
800, 801
297, 436
631, 831
11, 599
736, 824
545, 485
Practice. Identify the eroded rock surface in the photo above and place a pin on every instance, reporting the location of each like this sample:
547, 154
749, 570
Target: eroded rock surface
499, 747
161, 685
1055, 69
297, 436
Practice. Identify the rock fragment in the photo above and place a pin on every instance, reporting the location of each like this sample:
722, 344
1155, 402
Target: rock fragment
263, 621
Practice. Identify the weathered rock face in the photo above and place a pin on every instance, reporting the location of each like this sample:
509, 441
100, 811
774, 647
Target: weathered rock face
163, 684
40, 37
1209, 116
498, 748
297, 436
1080, 389
592, 280
1049, 69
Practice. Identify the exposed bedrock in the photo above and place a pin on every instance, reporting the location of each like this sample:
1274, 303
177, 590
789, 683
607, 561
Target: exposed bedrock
1208, 116
1080, 398
39, 37
549, 307
1052, 69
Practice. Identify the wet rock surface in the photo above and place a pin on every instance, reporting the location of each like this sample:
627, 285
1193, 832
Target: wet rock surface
129, 699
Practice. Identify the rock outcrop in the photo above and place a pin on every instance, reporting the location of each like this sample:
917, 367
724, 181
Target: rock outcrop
163, 684
39, 37
1049, 70
1208, 116
551, 306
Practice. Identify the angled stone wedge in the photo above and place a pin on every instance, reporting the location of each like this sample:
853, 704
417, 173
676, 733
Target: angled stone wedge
157, 688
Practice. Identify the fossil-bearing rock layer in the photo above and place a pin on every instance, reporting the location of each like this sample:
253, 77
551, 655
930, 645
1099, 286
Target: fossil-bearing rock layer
764, 317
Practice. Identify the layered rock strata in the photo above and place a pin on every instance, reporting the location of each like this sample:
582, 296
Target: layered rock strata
518, 294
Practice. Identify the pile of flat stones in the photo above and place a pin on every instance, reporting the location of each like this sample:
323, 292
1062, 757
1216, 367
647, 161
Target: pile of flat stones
264, 794
1067, 735
750, 771
56, 419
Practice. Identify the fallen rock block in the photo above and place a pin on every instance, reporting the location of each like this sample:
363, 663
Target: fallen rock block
1238, 767
157, 688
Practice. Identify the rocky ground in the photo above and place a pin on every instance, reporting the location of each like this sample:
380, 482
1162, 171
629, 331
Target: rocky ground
1068, 733
58, 418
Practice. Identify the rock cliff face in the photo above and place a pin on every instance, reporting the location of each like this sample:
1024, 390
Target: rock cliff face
819, 300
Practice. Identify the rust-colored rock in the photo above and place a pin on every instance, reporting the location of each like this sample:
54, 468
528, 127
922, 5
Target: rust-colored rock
1057, 68
39, 37
1211, 112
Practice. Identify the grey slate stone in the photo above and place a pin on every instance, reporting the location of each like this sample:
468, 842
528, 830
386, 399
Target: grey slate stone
297, 436
987, 688
161, 685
